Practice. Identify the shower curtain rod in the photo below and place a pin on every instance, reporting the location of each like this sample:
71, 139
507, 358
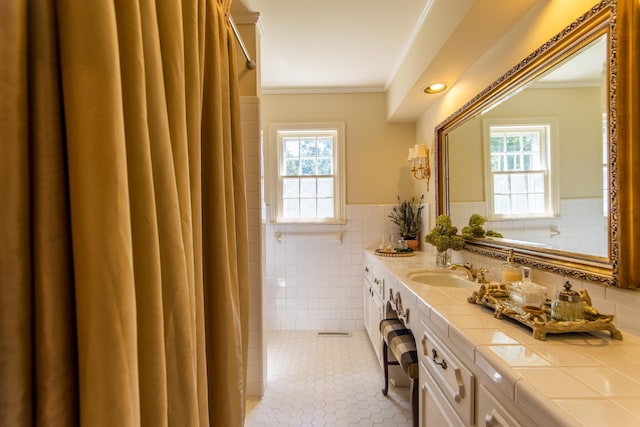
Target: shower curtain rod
251, 64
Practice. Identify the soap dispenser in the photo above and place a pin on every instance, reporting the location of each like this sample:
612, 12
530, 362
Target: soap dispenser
510, 270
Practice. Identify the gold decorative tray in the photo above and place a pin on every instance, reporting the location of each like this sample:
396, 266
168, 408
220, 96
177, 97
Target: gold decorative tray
539, 319
395, 253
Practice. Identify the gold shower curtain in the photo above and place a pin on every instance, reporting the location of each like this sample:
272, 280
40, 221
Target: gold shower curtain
123, 235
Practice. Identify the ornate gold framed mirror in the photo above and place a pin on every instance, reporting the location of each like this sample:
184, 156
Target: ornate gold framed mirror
547, 152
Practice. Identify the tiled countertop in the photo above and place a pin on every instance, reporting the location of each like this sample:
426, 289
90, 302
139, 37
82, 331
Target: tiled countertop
584, 379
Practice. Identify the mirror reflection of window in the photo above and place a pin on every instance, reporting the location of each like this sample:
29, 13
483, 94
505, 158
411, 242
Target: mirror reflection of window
519, 172
560, 202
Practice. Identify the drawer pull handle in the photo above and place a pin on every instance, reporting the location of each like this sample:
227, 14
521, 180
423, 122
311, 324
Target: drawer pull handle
490, 421
435, 356
494, 419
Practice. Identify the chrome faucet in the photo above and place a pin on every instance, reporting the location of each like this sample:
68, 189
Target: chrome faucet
475, 275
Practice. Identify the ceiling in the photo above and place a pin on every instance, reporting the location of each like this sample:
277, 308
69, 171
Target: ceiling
332, 45
392, 46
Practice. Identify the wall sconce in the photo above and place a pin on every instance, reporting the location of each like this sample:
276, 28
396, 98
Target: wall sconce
419, 158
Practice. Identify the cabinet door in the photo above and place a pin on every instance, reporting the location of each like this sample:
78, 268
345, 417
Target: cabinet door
435, 411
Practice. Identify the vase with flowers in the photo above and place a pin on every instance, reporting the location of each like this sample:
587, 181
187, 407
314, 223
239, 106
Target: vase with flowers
444, 236
407, 215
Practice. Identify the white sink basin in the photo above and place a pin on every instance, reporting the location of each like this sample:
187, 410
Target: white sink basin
440, 278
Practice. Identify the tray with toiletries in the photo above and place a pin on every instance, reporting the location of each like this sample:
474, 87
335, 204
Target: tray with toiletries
568, 311
395, 252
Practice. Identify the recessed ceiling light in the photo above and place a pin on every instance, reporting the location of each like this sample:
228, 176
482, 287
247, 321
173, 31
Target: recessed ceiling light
435, 88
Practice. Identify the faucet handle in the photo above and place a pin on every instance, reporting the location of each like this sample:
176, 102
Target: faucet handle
480, 275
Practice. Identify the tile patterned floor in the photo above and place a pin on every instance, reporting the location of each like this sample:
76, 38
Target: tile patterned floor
326, 381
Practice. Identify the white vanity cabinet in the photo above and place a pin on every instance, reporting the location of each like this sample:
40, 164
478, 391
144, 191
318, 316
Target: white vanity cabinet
373, 306
378, 287
454, 390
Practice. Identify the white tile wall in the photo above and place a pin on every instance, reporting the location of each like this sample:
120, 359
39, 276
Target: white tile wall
576, 215
313, 283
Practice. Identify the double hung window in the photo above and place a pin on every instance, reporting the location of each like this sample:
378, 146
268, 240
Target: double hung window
520, 179
308, 181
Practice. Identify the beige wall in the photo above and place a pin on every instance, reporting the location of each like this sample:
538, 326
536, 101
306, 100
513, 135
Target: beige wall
376, 151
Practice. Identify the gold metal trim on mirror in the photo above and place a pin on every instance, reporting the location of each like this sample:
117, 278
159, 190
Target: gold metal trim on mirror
626, 232
619, 19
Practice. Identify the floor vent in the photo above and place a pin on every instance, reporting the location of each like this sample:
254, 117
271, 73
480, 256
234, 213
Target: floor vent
333, 334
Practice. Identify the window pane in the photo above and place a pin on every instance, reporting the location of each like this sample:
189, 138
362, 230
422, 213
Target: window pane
502, 204
292, 167
291, 147
535, 144
519, 204
308, 147
325, 208
496, 163
501, 184
307, 208
308, 187
526, 162
291, 208
513, 143
325, 187
290, 188
527, 142
325, 166
513, 162
518, 183
497, 144
536, 203
325, 146
308, 167
537, 183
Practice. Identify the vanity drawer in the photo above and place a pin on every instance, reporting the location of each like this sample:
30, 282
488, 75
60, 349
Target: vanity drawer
454, 380
491, 413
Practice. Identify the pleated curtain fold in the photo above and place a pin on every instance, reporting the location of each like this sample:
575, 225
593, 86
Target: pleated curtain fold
123, 230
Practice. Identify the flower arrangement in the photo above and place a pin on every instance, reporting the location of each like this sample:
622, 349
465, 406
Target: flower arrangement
408, 217
475, 229
444, 235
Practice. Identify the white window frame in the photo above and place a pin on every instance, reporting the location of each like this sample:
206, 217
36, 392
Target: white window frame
275, 166
549, 153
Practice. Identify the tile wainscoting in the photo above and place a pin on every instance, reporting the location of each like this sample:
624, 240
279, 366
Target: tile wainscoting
312, 283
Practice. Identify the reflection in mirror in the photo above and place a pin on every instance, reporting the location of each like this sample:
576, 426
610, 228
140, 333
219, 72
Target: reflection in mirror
537, 153
535, 163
